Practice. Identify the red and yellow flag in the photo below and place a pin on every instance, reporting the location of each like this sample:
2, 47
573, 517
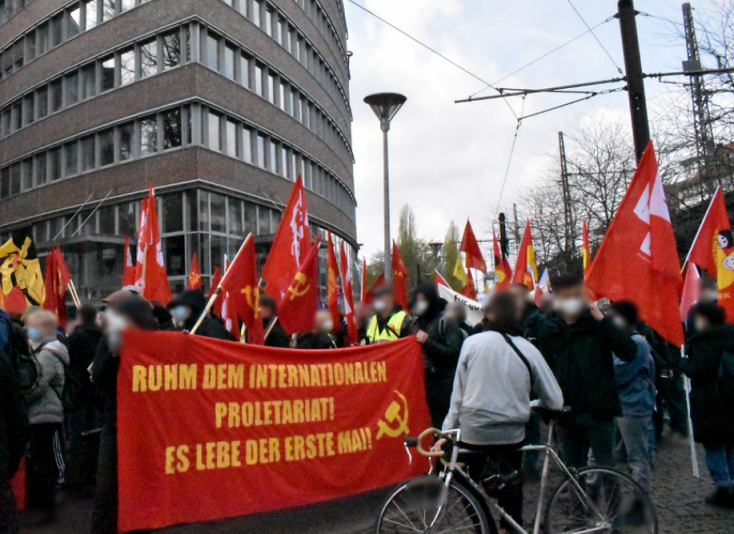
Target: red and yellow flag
502, 269
470, 247
348, 297
56, 279
332, 285
586, 251
469, 291
400, 278
297, 309
194, 280
526, 270
242, 293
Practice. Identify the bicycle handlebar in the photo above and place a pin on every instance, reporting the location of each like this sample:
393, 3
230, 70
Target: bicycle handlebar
418, 442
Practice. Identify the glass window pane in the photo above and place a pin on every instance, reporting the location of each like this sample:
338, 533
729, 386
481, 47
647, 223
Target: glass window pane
57, 95
54, 164
107, 220
74, 21
107, 147
29, 110
172, 129
57, 27
127, 66
171, 50
192, 211
172, 213
27, 174
72, 88
212, 51
148, 58
89, 81
218, 218
148, 136
88, 156
231, 138
108, 73
175, 251
271, 88
91, 14
259, 80
41, 169
203, 211
229, 55
108, 9
247, 145
15, 179
42, 102
71, 159
125, 131
43, 38
250, 218
126, 4
268, 22
214, 132
30, 40
272, 156
245, 71
260, 150
263, 227
19, 54
234, 217
256, 4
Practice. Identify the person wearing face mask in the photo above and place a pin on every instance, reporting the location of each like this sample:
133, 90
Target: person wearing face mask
45, 457
637, 396
277, 336
321, 338
187, 307
441, 340
455, 312
390, 321
710, 366
578, 343
362, 314
126, 311
531, 319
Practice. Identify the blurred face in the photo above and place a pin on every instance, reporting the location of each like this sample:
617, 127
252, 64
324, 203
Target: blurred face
521, 296
324, 322
420, 306
362, 312
40, 326
114, 325
181, 314
383, 305
701, 323
603, 305
267, 312
618, 320
455, 313
570, 302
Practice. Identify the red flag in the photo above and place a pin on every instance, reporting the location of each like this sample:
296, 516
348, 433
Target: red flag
399, 274
637, 259
502, 268
469, 291
691, 291
586, 252
128, 270
216, 280
297, 309
348, 297
194, 280
439, 280
470, 247
526, 270
153, 279
290, 246
378, 283
56, 279
332, 286
228, 313
363, 284
142, 231
242, 293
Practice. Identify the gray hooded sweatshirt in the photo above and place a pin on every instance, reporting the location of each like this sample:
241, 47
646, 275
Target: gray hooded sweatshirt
491, 398
44, 401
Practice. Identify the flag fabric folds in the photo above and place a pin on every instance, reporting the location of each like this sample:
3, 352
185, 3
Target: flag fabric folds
586, 251
502, 269
638, 259
332, 285
379, 282
459, 271
297, 309
363, 282
194, 279
241, 292
57, 277
526, 270
227, 311
291, 245
150, 269
216, 280
20, 271
400, 278
439, 280
128, 270
348, 297
470, 247
469, 290
691, 291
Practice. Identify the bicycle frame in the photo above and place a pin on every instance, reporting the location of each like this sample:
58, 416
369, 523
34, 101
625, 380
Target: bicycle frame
453, 467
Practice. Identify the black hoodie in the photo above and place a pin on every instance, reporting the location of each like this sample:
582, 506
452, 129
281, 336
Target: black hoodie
210, 326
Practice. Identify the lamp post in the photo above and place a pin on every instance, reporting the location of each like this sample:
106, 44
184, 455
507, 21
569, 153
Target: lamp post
386, 106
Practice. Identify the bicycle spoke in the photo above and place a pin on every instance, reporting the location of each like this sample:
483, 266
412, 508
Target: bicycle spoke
401, 525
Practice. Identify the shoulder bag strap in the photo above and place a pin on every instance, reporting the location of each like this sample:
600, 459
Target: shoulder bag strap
520, 354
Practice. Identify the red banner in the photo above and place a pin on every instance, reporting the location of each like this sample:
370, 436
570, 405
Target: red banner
212, 429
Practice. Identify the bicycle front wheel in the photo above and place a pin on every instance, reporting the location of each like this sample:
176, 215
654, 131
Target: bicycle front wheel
425, 504
608, 501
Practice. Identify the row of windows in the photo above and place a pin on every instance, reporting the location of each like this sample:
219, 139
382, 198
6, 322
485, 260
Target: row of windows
166, 130
274, 23
228, 59
117, 69
322, 21
60, 27
8, 8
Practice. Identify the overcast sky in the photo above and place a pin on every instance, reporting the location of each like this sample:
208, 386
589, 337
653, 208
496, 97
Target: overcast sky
448, 160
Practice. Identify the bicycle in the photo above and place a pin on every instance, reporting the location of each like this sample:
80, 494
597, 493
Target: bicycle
589, 499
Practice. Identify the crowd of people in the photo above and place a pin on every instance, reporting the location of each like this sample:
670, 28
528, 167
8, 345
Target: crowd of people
615, 377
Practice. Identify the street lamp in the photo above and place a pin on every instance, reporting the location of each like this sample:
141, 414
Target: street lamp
386, 106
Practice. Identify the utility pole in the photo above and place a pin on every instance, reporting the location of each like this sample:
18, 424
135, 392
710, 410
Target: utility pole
517, 226
504, 241
567, 204
633, 71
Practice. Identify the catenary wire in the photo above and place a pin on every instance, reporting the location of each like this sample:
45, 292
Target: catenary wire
509, 159
595, 37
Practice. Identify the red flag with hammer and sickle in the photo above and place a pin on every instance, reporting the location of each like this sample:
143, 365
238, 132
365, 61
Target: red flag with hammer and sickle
290, 246
240, 286
297, 309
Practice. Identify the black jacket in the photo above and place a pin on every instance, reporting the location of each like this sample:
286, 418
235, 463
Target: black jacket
316, 341
13, 420
713, 417
277, 336
104, 380
211, 326
82, 347
533, 321
580, 355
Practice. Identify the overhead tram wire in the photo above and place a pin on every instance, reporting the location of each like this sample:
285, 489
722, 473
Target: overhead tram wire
619, 70
509, 159
432, 50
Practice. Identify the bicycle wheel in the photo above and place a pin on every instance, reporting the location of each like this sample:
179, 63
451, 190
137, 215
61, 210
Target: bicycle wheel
611, 502
416, 507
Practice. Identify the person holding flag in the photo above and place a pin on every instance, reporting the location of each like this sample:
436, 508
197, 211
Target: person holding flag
187, 307
276, 335
390, 321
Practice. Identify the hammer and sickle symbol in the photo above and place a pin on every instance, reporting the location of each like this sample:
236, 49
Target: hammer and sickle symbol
393, 416
252, 295
301, 286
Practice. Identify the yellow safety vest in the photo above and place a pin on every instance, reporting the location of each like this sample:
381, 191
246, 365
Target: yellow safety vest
395, 323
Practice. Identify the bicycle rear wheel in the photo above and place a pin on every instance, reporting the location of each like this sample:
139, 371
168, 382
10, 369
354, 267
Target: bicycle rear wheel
416, 506
612, 502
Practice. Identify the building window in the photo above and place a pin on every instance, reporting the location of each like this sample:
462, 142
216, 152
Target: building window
260, 150
15, 179
54, 164
91, 14
109, 9
126, 5
126, 132
247, 144
231, 138
108, 73
57, 95
218, 216
256, 5
272, 88
148, 136
148, 58
127, 66
88, 153
74, 21
212, 52
40, 173
259, 80
229, 55
27, 174
30, 40
42, 101
19, 54
29, 105
43, 38
171, 50
214, 132
72, 88
272, 156
234, 217
171, 129
106, 147
71, 159
245, 71
57, 30
89, 81
268, 22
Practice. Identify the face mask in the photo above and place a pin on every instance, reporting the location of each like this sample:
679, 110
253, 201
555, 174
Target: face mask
34, 334
181, 313
700, 326
621, 323
328, 325
420, 307
572, 307
379, 306
711, 295
115, 324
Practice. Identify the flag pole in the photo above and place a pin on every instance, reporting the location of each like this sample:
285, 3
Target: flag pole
687, 387
74, 296
695, 239
270, 327
206, 311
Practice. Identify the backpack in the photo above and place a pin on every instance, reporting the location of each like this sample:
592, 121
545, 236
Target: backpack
725, 376
29, 372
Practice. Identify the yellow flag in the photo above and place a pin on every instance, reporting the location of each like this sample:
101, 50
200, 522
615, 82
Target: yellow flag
459, 272
19, 267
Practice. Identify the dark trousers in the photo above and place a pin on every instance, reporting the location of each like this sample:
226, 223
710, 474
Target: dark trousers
8, 510
45, 465
438, 396
82, 420
532, 437
576, 440
104, 519
503, 460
